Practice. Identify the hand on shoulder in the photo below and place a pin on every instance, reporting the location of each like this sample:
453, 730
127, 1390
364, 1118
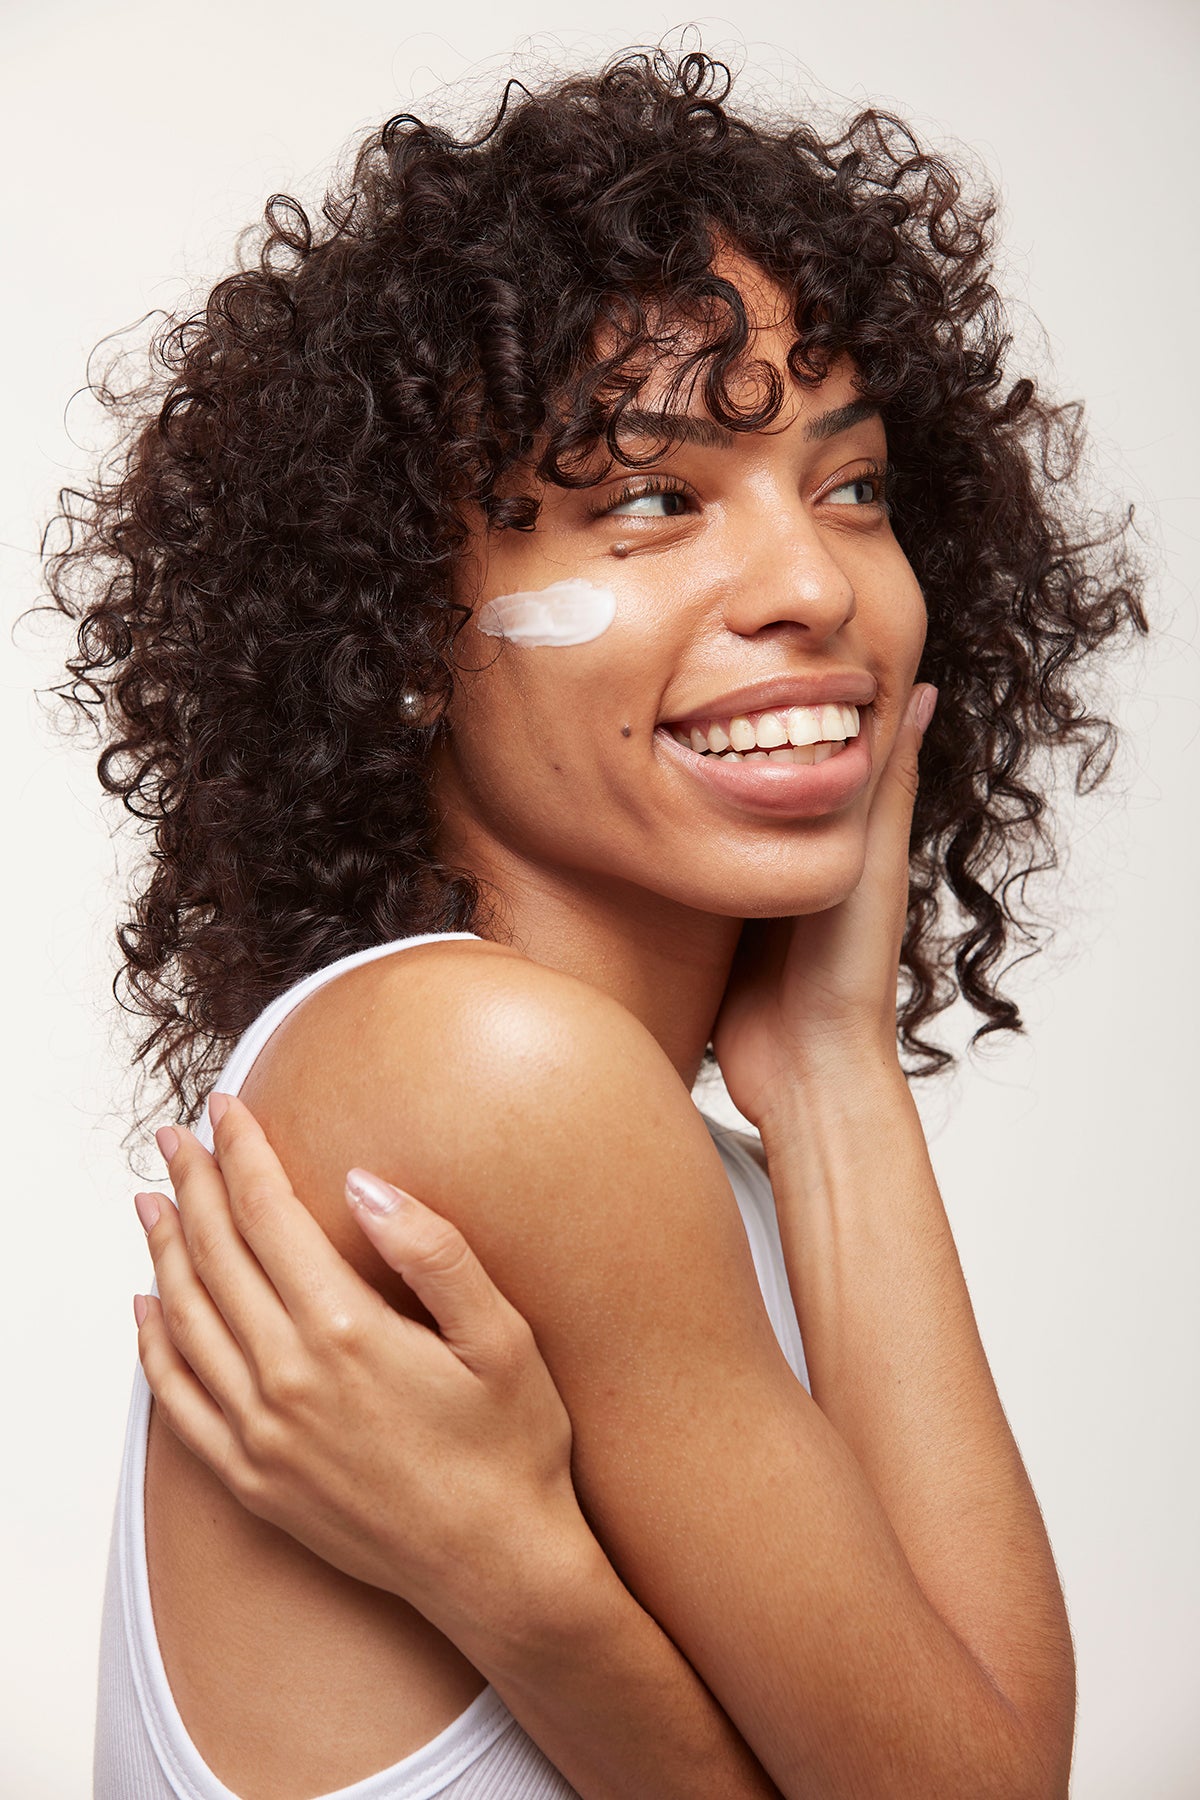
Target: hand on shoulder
529, 1108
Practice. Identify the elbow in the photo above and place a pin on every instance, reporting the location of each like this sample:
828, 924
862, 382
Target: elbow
1009, 1750
1049, 1776
1043, 1750
1042, 1778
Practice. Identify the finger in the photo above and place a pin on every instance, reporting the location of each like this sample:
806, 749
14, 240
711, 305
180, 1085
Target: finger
196, 1329
902, 763
219, 1255
308, 1273
438, 1264
891, 814
182, 1401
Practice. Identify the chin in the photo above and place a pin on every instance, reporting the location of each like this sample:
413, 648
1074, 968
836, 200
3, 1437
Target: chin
798, 903
809, 880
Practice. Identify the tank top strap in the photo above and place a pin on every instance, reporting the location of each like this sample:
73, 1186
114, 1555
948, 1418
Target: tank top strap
756, 1202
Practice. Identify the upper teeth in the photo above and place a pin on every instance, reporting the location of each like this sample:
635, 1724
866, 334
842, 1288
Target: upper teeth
767, 730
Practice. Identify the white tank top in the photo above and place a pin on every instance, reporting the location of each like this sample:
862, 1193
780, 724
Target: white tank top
143, 1751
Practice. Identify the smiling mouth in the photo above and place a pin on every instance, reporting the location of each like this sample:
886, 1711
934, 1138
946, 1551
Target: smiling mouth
795, 734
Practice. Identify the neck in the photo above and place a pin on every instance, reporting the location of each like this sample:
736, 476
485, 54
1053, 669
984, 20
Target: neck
665, 963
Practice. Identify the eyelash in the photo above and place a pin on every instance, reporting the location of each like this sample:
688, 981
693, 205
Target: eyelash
656, 484
879, 473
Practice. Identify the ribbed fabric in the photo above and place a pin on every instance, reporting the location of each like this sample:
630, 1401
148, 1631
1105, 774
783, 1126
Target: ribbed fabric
142, 1748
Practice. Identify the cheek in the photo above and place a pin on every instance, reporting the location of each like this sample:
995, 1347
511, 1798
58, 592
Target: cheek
918, 627
901, 622
558, 617
577, 659
535, 715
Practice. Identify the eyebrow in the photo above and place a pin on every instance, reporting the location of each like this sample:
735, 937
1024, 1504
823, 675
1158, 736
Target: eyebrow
695, 428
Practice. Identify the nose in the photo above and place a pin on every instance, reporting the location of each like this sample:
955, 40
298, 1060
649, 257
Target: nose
789, 577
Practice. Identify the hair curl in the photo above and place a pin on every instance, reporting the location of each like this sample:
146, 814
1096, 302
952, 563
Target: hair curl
266, 564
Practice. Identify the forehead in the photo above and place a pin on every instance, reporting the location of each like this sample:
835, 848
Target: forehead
679, 331
767, 301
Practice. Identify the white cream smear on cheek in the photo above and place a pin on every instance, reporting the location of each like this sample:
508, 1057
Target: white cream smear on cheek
554, 617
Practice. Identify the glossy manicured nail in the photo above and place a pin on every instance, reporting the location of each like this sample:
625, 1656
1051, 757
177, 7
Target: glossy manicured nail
167, 1139
140, 1309
375, 1195
925, 706
217, 1106
148, 1209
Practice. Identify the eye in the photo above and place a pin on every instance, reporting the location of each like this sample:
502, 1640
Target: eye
631, 502
866, 489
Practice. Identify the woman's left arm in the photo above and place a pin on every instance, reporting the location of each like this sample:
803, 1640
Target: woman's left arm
806, 1041
286, 1372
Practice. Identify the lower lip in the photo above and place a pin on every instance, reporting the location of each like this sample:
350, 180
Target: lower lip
786, 790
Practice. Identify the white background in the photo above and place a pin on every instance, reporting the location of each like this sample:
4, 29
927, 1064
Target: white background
136, 139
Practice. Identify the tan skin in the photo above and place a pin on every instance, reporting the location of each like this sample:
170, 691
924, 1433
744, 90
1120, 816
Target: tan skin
769, 564
625, 889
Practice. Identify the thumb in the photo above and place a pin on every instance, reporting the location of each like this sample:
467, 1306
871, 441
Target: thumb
435, 1260
921, 706
902, 763
891, 815
917, 714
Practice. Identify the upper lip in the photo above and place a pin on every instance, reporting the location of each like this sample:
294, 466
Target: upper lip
853, 686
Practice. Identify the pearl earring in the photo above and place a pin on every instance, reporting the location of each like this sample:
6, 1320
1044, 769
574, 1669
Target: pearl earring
411, 705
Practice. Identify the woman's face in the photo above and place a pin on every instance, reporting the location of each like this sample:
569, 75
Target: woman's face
764, 578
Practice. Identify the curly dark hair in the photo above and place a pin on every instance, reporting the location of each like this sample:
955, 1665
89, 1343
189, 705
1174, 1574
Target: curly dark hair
266, 563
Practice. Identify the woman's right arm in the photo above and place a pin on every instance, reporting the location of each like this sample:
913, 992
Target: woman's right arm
562, 1144
433, 1464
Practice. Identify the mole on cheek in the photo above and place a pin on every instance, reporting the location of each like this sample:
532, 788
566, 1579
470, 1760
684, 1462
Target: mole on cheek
626, 731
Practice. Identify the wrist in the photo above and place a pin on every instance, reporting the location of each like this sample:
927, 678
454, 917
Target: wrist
549, 1601
577, 1610
858, 1079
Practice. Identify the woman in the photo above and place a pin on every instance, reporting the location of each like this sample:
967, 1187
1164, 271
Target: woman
521, 618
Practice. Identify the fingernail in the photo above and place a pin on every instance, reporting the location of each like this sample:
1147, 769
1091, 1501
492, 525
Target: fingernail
925, 706
167, 1139
376, 1195
148, 1209
217, 1105
140, 1309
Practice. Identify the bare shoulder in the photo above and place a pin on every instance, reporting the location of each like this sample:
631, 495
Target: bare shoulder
463, 1031
517, 1100
487, 1008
